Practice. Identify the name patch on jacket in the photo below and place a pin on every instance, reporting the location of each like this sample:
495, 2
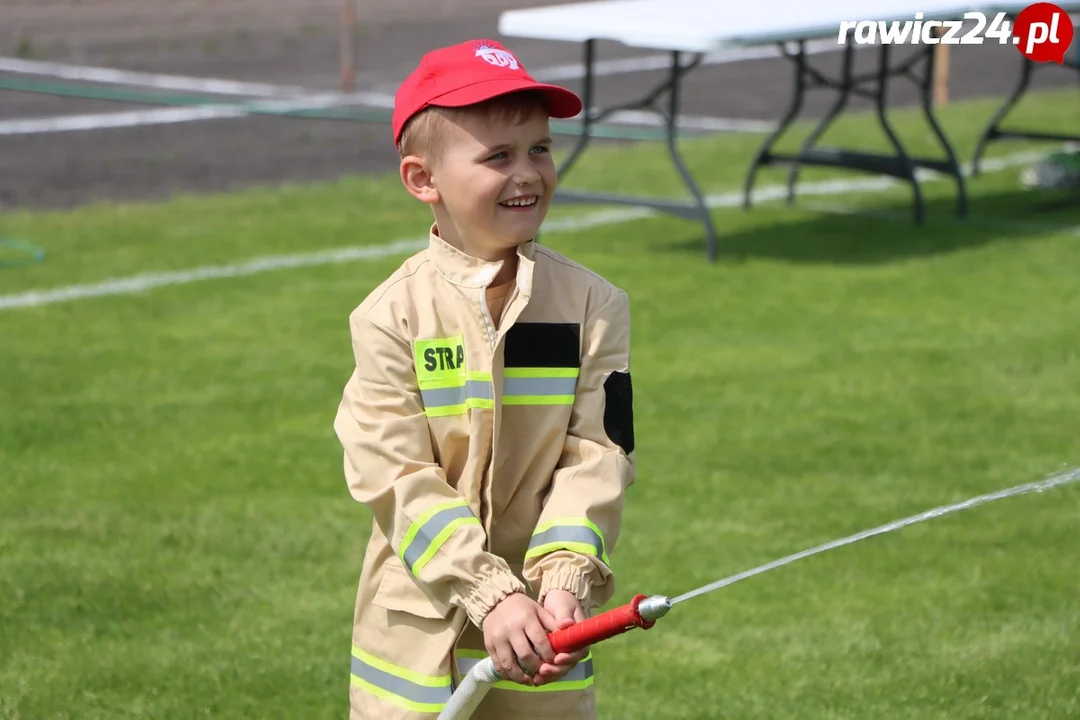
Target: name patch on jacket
440, 357
541, 363
446, 386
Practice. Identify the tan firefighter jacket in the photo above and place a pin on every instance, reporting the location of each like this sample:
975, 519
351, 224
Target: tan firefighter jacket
493, 461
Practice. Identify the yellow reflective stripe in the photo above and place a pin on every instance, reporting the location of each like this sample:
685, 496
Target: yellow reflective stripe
437, 543
456, 396
428, 532
579, 535
405, 688
461, 408
540, 386
579, 677
457, 380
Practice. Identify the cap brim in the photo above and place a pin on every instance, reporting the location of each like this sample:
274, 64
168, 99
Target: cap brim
561, 102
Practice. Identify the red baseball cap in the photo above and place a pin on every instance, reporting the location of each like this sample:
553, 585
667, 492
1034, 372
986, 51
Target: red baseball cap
469, 73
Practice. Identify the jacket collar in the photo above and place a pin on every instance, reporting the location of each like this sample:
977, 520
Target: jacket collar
467, 271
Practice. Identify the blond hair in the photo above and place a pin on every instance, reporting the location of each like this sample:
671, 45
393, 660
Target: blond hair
423, 132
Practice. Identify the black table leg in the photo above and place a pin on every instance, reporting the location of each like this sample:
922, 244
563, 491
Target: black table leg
926, 95
837, 107
899, 164
587, 112
672, 130
993, 129
906, 168
697, 209
764, 154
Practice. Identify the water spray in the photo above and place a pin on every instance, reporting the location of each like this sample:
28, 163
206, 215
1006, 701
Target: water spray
644, 610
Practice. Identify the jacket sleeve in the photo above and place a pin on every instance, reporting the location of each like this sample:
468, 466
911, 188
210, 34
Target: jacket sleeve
390, 467
580, 521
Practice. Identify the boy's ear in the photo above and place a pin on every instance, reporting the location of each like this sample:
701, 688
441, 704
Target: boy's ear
417, 179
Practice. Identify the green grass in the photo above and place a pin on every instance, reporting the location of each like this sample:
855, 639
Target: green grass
176, 540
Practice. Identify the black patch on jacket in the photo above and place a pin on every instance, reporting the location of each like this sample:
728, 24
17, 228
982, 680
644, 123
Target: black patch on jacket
619, 410
543, 345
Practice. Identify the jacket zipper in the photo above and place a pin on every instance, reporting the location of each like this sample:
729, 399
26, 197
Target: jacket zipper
489, 322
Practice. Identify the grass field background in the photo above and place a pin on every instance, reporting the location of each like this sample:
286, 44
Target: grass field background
176, 539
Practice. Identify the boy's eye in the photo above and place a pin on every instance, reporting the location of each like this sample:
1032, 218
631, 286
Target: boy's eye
535, 150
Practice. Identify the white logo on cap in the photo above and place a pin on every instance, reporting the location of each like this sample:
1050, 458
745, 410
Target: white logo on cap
497, 57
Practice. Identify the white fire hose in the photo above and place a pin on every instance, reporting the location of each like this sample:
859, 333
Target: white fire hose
474, 686
643, 611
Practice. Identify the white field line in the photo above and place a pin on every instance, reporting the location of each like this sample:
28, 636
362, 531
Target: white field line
383, 100
894, 216
693, 122
149, 281
112, 76
633, 117
163, 116
126, 119
604, 68
173, 115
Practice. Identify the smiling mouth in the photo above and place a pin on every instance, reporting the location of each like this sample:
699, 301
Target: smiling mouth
522, 202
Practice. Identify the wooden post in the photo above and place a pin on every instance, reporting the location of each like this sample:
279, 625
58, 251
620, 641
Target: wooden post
941, 73
348, 46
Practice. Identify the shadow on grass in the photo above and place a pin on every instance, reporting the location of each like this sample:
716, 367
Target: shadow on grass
885, 231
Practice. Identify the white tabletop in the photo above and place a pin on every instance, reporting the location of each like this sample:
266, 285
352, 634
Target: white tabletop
708, 25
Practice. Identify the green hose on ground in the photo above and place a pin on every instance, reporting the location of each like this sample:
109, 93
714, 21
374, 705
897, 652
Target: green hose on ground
25, 253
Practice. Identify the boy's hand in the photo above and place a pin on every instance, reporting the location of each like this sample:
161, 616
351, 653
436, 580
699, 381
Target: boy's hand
515, 635
566, 609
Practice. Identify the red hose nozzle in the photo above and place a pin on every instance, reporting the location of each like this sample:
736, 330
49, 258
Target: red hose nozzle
643, 612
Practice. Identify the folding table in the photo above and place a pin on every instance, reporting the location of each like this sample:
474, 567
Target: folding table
696, 27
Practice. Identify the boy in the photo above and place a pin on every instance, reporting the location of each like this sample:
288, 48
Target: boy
488, 424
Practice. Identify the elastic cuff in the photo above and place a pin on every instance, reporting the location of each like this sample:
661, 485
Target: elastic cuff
488, 593
568, 579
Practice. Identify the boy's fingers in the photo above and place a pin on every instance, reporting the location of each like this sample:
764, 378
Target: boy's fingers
550, 623
547, 674
553, 672
507, 662
539, 639
525, 659
570, 659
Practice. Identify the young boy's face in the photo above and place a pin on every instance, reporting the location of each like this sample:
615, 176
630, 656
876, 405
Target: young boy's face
495, 180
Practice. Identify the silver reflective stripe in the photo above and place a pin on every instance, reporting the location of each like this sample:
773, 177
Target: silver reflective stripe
427, 532
582, 671
448, 397
568, 534
401, 687
539, 386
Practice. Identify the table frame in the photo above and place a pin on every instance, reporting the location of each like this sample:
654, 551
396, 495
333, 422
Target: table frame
994, 130
901, 164
669, 111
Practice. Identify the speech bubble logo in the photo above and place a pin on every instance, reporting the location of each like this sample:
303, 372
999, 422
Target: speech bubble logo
1043, 33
